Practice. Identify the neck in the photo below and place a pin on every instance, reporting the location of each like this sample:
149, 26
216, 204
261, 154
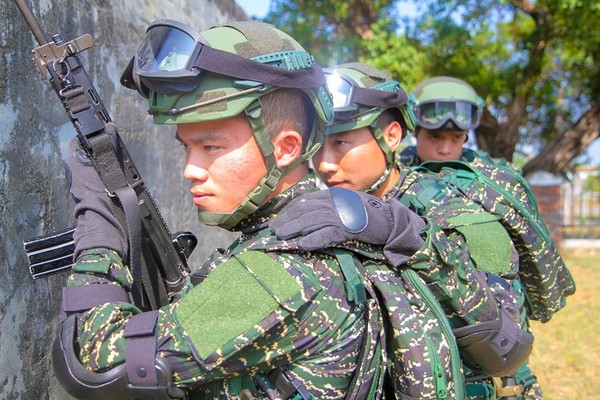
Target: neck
388, 184
289, 180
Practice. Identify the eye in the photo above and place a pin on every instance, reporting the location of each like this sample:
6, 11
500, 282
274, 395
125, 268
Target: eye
183, 146
209, 148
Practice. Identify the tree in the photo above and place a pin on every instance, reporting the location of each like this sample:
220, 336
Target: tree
536, 63
334, 31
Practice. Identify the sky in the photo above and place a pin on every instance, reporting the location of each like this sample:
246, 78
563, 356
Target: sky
259, 8
254, 8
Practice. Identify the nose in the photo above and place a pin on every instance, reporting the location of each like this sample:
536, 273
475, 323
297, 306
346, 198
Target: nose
325, 161
445, 147
193, 172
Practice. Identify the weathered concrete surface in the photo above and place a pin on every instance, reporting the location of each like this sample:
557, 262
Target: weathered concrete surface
34, 133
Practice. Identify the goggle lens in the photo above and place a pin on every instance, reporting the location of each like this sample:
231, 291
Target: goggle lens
341, 91
165, 49
436, 114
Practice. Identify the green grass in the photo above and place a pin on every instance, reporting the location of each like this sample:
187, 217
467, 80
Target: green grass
566, 354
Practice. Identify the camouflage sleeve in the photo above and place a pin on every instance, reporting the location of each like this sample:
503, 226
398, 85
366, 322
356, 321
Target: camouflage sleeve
445, 264
249, 315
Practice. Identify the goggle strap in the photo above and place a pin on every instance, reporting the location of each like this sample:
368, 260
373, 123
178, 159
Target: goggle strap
229, 64
379, 98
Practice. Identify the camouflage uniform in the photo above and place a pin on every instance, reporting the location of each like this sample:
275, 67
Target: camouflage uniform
256, 311
505, 262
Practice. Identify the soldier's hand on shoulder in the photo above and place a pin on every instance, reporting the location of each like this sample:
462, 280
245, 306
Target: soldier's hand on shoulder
329, 217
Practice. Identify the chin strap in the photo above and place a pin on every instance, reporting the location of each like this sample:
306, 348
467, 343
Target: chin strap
267, 185
390, 156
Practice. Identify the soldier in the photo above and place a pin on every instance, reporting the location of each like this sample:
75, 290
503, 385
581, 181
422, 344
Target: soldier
447, 109
249, 105
359, 152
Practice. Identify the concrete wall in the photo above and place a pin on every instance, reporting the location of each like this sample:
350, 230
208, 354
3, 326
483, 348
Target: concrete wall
34, 134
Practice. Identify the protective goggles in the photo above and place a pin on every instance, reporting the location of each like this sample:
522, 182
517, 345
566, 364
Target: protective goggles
173, 57
347, 96
434, 115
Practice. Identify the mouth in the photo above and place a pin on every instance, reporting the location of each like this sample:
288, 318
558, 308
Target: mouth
199, 198
335, 183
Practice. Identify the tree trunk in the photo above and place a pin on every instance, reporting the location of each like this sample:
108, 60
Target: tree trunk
556, 156
500, 139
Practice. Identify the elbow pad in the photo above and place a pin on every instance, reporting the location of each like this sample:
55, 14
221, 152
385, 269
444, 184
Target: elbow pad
82, 383
494, 348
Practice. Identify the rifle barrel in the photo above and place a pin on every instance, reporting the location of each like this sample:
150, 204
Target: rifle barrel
41, 36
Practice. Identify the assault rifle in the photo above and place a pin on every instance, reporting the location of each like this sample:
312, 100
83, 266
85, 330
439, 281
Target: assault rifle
158, 260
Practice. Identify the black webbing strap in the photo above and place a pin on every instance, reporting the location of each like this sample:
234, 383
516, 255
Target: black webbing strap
287, 385
82, 298
112, 175
140, 349
129, 202
75, 99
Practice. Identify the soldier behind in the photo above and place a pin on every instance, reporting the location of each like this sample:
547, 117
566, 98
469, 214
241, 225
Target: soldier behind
359, 153
447, 109
250, 105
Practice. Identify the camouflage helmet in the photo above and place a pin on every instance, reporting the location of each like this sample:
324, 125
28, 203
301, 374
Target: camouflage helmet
445, 102
353, 110
361, 93
222, 72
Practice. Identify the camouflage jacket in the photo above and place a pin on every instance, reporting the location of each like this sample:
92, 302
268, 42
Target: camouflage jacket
255, 311
448, 265
459, 244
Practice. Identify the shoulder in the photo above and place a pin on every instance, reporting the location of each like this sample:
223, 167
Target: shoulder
481, 158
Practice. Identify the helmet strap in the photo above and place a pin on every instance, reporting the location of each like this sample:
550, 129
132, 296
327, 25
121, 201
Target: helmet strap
390, 156
266, 185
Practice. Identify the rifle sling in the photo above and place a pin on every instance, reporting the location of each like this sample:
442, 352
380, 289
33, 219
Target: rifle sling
112, 175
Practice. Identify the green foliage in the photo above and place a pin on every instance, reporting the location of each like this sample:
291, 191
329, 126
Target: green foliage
334, 31
542, 57
395, 53
592, 182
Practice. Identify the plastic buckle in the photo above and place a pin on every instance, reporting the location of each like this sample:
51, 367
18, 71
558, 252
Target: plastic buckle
508, 390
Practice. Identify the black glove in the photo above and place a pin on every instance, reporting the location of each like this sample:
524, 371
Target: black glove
333, 216
97, 225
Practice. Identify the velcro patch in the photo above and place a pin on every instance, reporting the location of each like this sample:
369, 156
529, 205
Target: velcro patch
489, 243
234, 299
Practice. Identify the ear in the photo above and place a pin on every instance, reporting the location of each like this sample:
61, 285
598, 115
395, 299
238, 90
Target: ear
392, 134
288, 147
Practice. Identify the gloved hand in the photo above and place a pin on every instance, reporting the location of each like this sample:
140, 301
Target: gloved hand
333, 216
94, 212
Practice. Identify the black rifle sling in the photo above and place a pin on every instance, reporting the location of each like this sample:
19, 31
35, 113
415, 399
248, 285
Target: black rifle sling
112, 175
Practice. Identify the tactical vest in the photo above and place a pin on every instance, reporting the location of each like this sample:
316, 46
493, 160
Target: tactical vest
405, 322
429, 188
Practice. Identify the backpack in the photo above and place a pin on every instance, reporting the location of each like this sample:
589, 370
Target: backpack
405, 322
429, 189
418, 308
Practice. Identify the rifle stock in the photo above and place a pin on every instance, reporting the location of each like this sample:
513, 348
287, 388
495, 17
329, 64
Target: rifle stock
158, 259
